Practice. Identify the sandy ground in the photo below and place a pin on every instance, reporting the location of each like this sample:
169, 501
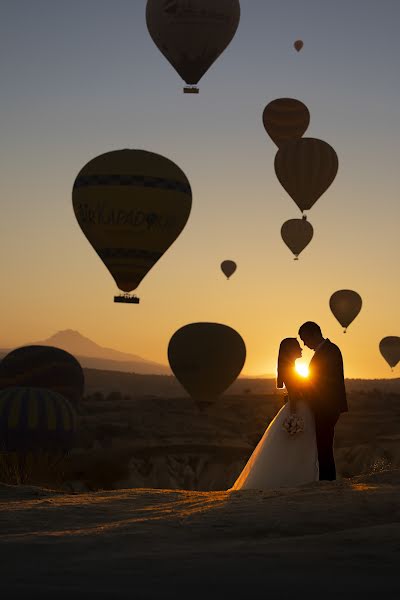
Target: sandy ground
323, 540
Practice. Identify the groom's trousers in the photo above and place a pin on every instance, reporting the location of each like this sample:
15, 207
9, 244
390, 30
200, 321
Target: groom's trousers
325, 432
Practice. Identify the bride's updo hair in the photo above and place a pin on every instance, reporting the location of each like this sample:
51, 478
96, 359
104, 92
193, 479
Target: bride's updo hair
286, 350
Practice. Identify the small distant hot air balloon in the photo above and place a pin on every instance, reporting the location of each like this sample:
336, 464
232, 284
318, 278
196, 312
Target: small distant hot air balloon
228, 267
345, 305
285, 119
43, 367
206, 358
390, 349
297, 234
131, 205
298, 44
192, 34
306, 168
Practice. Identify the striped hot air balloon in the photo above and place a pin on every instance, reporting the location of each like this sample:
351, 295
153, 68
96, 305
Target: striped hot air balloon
285, 119
35, 420
306, 168
131, 205
43, 367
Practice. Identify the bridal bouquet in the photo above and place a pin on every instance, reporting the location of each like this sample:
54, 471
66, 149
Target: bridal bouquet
293, 424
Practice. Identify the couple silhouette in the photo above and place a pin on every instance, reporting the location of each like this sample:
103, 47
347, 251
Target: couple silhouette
297, 447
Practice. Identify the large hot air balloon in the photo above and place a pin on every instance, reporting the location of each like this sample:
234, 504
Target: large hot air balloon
36, 420
390, 349
345, 305
298, 44
131, 205
297, 234
285, 119
228, 267
192, 33
206, 358
306, 168
43, 367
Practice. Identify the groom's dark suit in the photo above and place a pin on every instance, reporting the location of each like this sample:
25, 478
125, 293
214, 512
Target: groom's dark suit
327, 400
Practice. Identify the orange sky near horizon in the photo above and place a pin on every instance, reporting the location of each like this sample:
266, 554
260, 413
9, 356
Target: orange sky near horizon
70, 99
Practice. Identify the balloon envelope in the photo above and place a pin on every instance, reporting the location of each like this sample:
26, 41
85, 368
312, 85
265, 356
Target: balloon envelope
285, 119
191, 34
390, 349
206, 358
131, 205
306, 168
228, 267
298, 44
297, 234
345, 305
35, 419
43, 367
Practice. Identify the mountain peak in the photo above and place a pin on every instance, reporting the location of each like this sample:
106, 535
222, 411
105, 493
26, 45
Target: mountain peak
70, 335
81, 346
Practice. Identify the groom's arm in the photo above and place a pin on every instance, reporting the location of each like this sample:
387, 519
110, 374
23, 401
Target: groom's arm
334, 381
335, 372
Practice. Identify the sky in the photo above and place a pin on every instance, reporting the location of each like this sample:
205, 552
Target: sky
80, 78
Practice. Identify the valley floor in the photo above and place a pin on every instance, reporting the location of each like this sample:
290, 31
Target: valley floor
323, 540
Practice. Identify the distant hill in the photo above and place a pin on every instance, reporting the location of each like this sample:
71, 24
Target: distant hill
136, 385
93, 356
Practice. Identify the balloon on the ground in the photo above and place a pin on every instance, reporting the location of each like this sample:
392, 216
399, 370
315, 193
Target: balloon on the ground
131, 205
36, 420
297, 234
43, 367
206, 358
390, 349
285, 119
228, 267
192, 34
306, 168
345, 305
298, 44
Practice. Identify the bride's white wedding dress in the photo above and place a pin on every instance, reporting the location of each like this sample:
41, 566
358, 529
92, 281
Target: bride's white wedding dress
281, 460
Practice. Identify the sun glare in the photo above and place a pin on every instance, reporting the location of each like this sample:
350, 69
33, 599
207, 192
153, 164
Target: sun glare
302, 369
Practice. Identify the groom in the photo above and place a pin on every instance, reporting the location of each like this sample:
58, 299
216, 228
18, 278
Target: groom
327, 393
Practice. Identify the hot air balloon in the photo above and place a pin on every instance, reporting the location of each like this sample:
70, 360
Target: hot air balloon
228, 267
285, 119
345, 305
298, 44
206, 358
306, 168
191, 34
36, 420
37, 430
43, 367
390, 349
131, 205
297, 234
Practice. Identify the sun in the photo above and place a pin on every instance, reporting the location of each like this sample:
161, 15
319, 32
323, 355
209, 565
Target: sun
302, 369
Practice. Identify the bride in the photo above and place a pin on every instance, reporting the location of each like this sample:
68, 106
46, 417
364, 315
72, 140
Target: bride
286, 455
